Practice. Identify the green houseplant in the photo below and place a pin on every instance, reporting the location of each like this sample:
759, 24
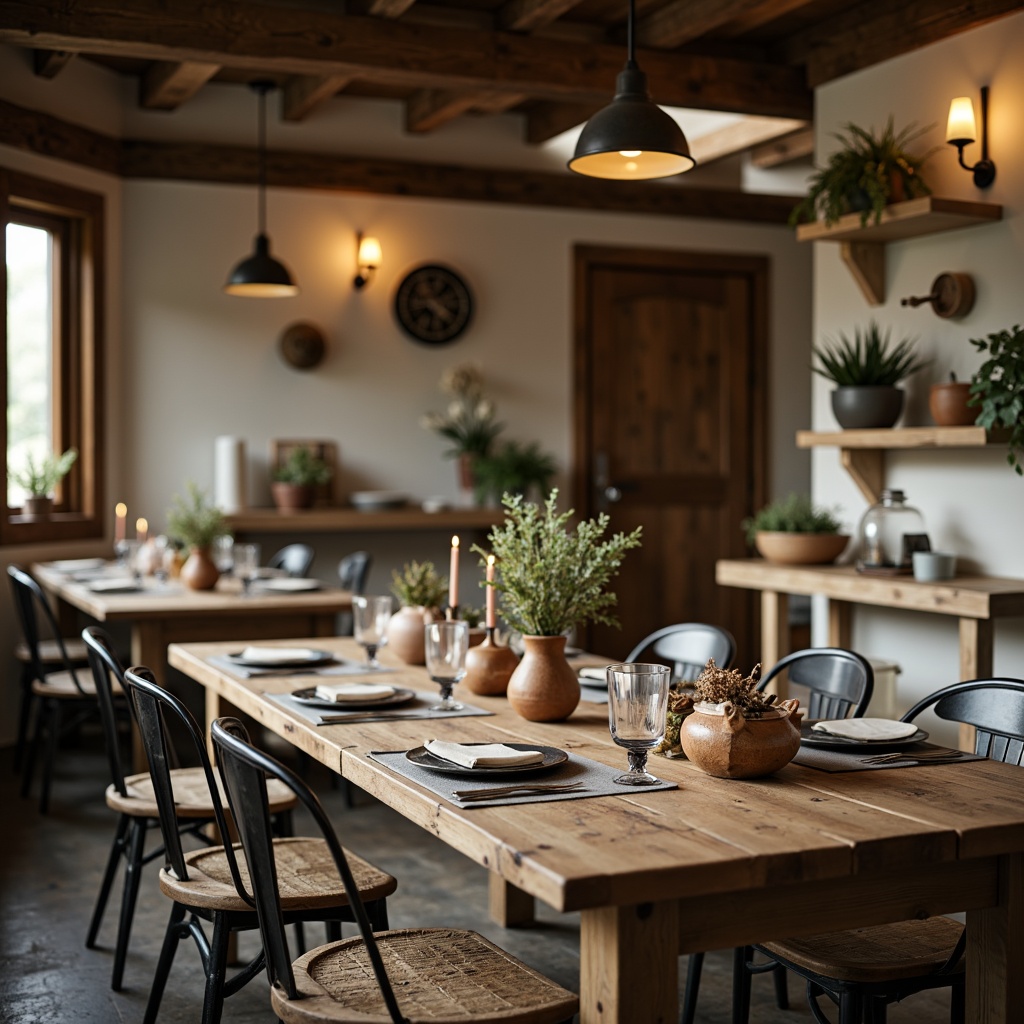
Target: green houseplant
196, 523
795, 531
997, 388
294, 482
39, 479
864, 175
551, 579
513, 468
866, 371
421, 592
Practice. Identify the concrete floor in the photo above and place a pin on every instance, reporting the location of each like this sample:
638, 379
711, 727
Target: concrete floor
49, 874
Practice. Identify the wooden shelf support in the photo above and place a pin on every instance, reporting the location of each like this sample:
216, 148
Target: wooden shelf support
866, 262
866, 467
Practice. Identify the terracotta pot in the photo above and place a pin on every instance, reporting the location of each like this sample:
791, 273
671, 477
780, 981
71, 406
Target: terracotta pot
544, 688
291, 497
200, 572
722, 741
862, 406
489, 666
405, 632
800, 548
37, 506
477, 635
948, 404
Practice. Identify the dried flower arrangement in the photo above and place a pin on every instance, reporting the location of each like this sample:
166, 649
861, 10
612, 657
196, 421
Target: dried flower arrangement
680, 705
716, 685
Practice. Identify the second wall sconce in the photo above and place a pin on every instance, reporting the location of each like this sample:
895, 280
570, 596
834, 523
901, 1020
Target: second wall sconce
961, 130
368, 259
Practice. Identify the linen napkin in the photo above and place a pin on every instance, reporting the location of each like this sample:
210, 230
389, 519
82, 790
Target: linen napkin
482, 755
341, 692
275, 654
598, 674
866, 728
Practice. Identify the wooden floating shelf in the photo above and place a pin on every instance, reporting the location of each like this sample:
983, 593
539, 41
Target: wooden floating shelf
863, 246
347, 520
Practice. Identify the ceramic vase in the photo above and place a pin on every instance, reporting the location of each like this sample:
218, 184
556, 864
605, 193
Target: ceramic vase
405, 632
724, 742
200, 572
489, 666
291, 497
543, 688
37, 506
948, 404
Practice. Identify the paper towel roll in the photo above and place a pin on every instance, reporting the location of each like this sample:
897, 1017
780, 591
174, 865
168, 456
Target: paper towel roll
229, 474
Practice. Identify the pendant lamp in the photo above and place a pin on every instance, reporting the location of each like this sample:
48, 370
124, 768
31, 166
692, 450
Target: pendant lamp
632, 138
260, 275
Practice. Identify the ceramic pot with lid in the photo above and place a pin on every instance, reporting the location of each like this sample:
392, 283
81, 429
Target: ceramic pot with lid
888, 535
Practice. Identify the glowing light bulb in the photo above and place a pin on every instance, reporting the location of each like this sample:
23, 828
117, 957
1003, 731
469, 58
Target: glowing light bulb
629, 153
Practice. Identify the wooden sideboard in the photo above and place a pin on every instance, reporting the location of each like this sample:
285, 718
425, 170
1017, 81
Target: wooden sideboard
348, 520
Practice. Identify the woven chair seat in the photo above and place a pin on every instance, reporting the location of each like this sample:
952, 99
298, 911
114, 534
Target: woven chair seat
305, 871
62, 686
888, 952
438, 974
49, 651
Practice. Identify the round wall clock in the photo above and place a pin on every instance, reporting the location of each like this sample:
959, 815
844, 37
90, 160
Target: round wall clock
433, 304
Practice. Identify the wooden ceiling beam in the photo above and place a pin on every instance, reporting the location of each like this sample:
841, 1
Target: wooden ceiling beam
679, 22
527, 15
50, 63
302, 93
166, 85
428, 109
389, 8
783, 150
761, 14
284, 40
35, 132
546, 120
738, 137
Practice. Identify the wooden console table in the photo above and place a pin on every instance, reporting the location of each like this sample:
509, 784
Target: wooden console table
348, 520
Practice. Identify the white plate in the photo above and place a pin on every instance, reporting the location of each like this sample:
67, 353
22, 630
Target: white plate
78, 564
120, 586
376, 501
289, 585
302, 657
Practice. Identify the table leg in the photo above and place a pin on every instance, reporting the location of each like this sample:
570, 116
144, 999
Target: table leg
839, 619
774, 635
509, 906
149, 650
995, 951
629, 964
976, 647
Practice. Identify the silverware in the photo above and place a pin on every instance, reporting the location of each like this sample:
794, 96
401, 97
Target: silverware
947, 754
501, 791
338, 719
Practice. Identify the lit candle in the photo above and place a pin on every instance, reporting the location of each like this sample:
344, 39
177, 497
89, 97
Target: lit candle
453, 575
120, 517
490, 622
141, 530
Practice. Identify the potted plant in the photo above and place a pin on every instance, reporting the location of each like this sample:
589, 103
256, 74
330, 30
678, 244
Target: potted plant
295, 480
421, 592
864, 175
795, 531
551, 580
997, 388
40, 480
866, 371
948, 403
735, 730
513, 468
196, 523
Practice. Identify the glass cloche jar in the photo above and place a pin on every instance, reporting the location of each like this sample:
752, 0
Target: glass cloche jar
888, 534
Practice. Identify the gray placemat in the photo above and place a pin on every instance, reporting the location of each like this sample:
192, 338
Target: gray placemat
418, 708
340, 667
594, 694
853, 761
596, 778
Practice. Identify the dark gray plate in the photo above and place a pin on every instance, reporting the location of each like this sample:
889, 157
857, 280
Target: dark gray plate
308, 696
425, 759
826, 742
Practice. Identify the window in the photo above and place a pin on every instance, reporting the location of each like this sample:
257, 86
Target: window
52, 320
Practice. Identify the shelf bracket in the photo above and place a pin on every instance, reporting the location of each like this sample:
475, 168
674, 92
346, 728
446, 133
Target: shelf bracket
866, 467
866, 262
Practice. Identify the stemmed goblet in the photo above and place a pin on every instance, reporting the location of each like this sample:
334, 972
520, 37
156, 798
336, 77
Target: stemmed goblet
637, 703
246, 559
370, 616
445, 646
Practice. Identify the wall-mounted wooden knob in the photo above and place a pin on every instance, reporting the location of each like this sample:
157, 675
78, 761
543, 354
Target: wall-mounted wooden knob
952, 295
302, 345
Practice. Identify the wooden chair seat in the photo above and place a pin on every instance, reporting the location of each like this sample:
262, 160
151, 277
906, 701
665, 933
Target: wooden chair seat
888, 952
61, 685
438, 974
50, 652
305, 870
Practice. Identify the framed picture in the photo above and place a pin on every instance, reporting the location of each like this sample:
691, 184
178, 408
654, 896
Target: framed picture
914, 542
325, 450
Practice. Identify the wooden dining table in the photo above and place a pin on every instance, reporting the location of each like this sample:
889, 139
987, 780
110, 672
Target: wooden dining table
712, 864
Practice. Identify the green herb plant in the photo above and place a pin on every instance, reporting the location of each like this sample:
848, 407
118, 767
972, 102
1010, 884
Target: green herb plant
302, 468
40, 478
513, 468
469, 421
419, 586
998, 388
553, 578
869, 359
193, 520
795, 514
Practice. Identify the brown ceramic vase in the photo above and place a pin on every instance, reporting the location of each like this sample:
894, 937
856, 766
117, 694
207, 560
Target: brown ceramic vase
37, 506
543, 688
948, 404
405, 633
200, 572
720, 739
291, 497
489, 666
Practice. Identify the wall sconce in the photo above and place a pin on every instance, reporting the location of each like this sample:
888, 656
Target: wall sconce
961, 130
368, 258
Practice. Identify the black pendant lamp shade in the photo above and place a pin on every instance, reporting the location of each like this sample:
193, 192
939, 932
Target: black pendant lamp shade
632, 138
260, 275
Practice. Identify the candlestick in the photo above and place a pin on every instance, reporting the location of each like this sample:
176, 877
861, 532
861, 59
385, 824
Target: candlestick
120, 516
489, 622
453, 576
141, 530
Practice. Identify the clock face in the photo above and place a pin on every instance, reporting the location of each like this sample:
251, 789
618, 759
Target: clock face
433, 305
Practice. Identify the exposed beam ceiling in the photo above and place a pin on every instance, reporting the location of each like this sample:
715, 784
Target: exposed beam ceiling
784, 150
736, 138
50, 63
166, 85
302, 93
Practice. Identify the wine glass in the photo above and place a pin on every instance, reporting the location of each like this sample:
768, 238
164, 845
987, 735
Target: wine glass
445, 646
246, 564
370, 617
224, 554
637, 703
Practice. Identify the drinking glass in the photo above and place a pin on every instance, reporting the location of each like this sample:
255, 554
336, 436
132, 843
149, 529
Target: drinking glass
445, 645
223, 554
246, 564
637, 703
370, 617
160, 570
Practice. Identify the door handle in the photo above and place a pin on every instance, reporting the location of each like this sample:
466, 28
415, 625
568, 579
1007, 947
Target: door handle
613, 493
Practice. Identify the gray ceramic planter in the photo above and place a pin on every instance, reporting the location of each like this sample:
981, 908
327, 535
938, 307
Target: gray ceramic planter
858, 407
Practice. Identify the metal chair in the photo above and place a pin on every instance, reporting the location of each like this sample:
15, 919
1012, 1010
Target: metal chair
353, 571
205, 884
865, 969
457, 974
686, 647
295, 559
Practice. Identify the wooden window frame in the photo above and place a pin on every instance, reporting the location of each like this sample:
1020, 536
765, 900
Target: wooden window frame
77, 217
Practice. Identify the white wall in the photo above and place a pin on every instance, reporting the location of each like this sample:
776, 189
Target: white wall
972, 503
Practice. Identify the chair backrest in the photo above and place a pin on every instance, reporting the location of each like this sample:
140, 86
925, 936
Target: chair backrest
840, 681
244, 771
353, 570
153, 706
31, 603
686, 647
995, 707
295, 559
105, 666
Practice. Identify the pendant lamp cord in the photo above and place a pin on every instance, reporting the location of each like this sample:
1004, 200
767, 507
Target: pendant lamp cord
262, 88
630, 44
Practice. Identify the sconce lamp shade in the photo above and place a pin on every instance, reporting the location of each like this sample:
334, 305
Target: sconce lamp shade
369, 253
260, 275
961, 128
632, 138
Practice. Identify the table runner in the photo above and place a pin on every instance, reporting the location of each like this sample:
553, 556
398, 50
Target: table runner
853, 761
418, 708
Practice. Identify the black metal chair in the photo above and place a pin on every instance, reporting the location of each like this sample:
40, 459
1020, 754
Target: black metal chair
458, 973
686, 647
353, 571
204, 885
863, 970
294, 559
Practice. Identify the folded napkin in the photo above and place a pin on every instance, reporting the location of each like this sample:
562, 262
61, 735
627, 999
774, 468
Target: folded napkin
341, 692
483, 755
115, 584
597, 673
276, 654
866, 728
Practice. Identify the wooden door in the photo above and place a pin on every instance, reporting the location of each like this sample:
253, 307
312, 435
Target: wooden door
670, 429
